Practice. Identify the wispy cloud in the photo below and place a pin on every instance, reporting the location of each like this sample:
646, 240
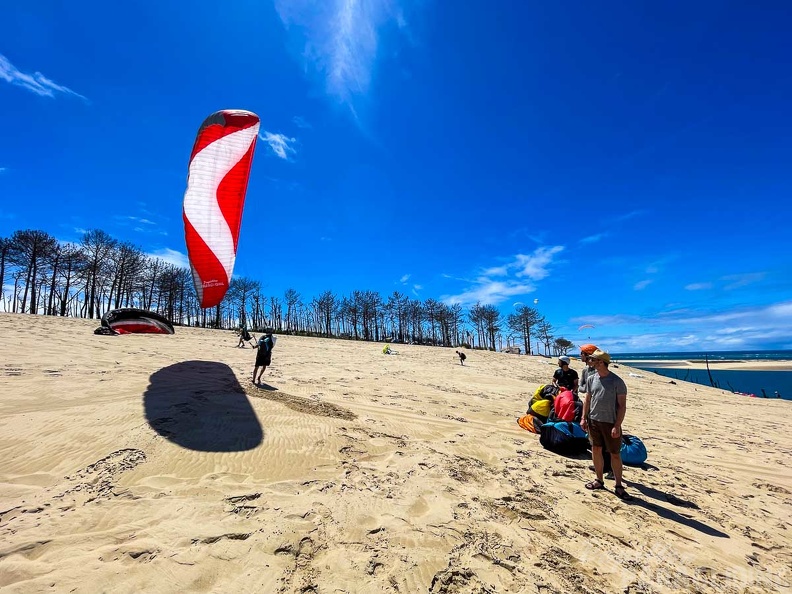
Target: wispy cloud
735, 281
171, 257
726, 329
698, 286
497, 284
341, 39
301, 123
142, 221
626, 216
35, 83
280, 144
404, 278
3, 170
594, 238
641, 285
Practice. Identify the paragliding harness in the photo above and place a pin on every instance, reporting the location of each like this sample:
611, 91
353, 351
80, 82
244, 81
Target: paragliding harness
542, 402
105, 331
563, 437
633, 450
268, 344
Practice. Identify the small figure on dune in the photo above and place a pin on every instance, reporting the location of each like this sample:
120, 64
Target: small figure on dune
244, 336
386, 350
462, 357
264, 356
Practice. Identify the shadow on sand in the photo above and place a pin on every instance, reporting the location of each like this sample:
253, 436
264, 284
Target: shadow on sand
201, 406
670, 514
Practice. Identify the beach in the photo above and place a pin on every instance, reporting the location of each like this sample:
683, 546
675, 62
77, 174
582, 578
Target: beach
149, 463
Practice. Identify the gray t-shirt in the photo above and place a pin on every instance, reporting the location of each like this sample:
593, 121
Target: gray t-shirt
602, 396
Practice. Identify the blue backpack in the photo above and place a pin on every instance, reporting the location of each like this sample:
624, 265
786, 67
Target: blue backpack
633, 451
563, 437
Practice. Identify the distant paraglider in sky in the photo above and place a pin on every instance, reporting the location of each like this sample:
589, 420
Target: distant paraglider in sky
536, 301
584, 326
216, 185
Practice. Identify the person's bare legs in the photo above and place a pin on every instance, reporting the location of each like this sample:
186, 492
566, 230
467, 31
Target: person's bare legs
255, 369
616, 465
599, 462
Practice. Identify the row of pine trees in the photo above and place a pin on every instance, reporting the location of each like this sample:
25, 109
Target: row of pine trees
41, 275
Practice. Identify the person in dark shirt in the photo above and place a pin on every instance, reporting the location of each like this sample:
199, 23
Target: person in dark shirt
564, 376
462, 357
264, 356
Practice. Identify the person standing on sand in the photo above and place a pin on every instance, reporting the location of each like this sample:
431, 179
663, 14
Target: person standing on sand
264, 355
462, 357
604, 408
585, 352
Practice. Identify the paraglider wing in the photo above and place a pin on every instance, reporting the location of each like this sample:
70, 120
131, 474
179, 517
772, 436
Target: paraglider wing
216, 185
136, 321
585, 326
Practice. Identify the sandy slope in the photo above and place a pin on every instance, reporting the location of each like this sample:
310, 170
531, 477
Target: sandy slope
152, 464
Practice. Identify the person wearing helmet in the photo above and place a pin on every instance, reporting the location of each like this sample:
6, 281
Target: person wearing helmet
564, 376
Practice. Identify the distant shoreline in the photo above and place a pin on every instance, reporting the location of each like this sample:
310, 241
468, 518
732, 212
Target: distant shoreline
727, 365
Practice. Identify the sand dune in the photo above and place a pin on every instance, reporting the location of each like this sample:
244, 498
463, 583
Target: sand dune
152, 464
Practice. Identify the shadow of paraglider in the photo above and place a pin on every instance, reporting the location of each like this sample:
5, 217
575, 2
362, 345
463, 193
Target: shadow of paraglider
200, 405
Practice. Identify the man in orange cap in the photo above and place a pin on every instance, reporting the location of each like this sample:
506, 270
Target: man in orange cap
585, 352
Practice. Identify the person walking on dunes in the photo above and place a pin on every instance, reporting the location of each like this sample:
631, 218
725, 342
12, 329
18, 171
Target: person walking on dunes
604, 408
244, 336
264, 356
462, 357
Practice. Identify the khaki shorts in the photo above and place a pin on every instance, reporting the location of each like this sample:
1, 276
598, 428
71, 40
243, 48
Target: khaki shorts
600, 436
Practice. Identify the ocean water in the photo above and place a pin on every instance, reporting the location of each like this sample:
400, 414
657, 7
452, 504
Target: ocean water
749, 381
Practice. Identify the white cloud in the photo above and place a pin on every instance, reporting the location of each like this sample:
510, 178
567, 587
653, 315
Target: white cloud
742, 280
512, 278
729, 329
489, 293
300, 122
171, 257
536, 265
594, 238
641, 285
35, 83
698, 286
280, 144
341, 39
3, 169
404, 278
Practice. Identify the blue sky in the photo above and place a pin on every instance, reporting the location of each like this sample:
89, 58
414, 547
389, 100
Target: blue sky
625, 163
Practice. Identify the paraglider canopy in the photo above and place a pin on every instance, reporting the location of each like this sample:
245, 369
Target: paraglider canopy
134, 321
216, 186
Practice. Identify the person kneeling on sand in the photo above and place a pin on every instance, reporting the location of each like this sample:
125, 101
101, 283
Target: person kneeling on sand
462, 357
604, 408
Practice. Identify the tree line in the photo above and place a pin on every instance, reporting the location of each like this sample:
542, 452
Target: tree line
41, 275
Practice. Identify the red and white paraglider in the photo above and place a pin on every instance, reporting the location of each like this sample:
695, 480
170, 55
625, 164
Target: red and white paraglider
216, 185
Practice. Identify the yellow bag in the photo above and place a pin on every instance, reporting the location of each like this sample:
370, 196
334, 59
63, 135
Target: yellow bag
542, 407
